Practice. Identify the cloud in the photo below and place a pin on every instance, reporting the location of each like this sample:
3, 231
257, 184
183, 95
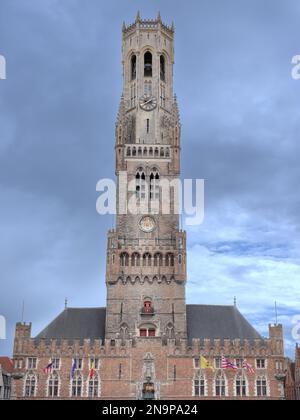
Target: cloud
240, 115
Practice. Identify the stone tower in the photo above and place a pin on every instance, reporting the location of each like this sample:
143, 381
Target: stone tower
146, 253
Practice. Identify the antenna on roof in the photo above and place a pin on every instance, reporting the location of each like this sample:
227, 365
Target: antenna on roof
276, 314
23, 310
234, 301
66, 303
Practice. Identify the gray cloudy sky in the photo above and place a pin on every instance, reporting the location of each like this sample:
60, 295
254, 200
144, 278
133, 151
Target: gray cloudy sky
240, 112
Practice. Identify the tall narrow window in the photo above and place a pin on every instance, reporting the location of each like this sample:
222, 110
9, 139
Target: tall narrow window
53, 385
76, 385
158, 260
93, 386
220, 386
133, 67
148, 64
240, 386
147, 260
148, 125
135, 260
261, 387
140, 184
154, 185
199, 387
124, 260
162, 68
30, 386
170, 260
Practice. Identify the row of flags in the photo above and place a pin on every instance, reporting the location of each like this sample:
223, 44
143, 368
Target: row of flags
225, 364
204, 364
49, 369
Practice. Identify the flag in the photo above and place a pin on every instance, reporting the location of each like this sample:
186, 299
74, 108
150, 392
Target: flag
48, 369
248, 367
92, 370
226, 364
74, 367
205, 364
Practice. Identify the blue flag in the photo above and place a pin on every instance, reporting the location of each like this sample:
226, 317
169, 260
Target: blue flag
74, 367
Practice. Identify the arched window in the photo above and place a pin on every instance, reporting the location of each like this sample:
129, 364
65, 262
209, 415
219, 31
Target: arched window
147, 260
140, 151
261, 386
162, 152
167, 153
179, 259
76, 385
199, 386
156, 153
93, 386
128, 151
220, 385
154, 185
124, 257
240, 386
53, 385
135, 260
145, 152
134, 152
158, 260
148, 64
162, 68
133, 67
140, 184
30, 385
151, 152
170, 260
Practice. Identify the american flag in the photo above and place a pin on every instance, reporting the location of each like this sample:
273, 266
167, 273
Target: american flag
226, 364
48, 369
248, 367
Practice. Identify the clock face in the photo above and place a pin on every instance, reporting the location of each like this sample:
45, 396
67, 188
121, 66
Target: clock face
147, 224
148, 103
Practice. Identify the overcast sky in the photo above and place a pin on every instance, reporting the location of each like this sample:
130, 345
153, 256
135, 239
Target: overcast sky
240, 112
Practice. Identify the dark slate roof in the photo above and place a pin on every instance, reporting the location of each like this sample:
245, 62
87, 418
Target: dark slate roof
203, 321
74, 324
224, 322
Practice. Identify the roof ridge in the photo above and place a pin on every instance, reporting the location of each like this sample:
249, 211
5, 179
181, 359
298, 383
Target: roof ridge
86, 307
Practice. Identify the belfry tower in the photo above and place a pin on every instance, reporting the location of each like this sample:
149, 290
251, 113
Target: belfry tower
146, 253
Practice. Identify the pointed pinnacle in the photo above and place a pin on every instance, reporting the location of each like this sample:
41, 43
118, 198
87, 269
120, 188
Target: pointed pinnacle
138, 16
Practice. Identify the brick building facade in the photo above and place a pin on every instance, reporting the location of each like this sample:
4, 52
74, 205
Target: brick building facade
292, 380
6, 370
148, 343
